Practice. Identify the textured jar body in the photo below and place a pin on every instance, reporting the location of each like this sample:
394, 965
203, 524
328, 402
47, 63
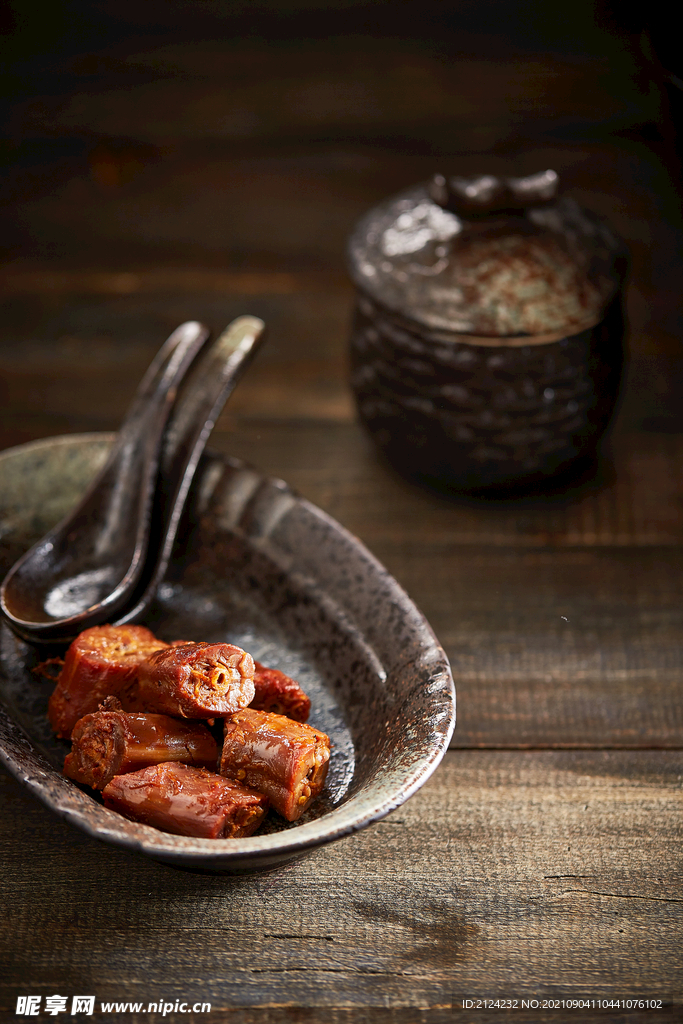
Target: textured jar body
475, 414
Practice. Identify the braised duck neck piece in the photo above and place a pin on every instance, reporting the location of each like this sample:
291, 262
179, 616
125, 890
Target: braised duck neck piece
277, 693
286, 760
186, 801
199, 680
102, 660
110, 743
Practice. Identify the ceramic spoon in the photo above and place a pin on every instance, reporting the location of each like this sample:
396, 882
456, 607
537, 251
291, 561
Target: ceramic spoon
197, 408
86, 569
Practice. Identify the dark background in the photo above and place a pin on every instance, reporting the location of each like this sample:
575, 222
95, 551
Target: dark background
141, 126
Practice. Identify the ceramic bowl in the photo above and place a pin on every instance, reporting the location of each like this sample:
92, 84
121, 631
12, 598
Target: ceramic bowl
259, 566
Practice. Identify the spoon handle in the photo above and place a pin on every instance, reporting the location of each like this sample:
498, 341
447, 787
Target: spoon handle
129, 475
192, 419
137, 451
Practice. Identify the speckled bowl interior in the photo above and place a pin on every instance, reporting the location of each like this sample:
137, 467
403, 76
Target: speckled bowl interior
261, 567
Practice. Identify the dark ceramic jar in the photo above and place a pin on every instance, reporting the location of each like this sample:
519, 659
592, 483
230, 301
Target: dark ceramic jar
487, 336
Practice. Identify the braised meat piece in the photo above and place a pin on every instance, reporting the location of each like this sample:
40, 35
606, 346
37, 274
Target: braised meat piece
102, 660
284, 759
278, 694
186, 801
109, 743
196, 680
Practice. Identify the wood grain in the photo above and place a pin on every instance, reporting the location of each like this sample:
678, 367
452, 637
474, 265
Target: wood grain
539, 873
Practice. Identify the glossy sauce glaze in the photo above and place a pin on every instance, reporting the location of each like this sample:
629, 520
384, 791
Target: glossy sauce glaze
112, 742
152, 764
277, 693
187, 801
287, 760
197, 680
101, 661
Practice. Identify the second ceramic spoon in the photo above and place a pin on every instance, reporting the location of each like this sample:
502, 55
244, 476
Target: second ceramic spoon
194, 415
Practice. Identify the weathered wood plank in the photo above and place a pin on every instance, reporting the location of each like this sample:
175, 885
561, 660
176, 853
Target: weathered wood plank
571, 648
634, 501
545, 873
26, 277
73, 360
345, 87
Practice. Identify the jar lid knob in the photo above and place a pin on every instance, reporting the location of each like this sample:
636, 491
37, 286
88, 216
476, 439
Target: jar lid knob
487, 194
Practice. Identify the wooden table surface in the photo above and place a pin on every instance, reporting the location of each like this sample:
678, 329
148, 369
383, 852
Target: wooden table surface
543, 858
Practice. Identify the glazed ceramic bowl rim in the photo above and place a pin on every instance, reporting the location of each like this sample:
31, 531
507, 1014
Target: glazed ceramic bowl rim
363, 808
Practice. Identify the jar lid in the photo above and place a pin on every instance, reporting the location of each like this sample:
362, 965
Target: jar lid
488, 257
